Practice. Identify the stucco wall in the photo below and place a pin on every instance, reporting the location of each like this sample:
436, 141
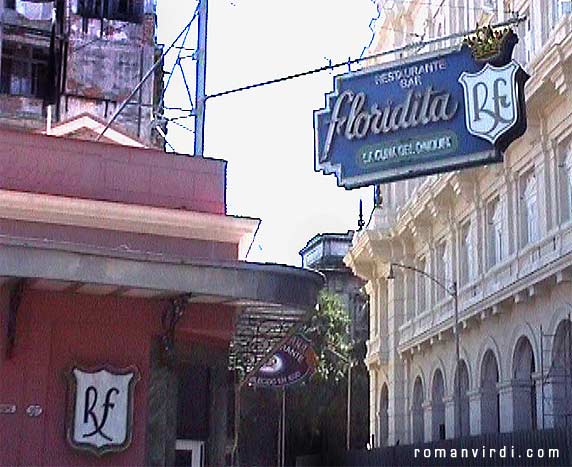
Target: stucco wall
56, 330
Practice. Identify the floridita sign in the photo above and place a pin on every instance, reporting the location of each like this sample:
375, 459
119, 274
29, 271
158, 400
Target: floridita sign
432, 114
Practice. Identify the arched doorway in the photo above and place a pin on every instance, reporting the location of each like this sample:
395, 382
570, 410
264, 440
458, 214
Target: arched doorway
490, 416
417, 412
462, 409
438, 407
561, 376
383, 415
524, 390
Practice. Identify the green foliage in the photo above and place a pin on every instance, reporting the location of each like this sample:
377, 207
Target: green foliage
328, 332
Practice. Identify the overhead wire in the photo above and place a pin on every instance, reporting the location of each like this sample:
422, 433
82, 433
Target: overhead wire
328, 67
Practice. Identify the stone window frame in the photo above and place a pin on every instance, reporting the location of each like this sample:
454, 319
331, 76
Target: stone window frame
497, 242
529, 215
566, 178
444, 266
422, 288
467, 260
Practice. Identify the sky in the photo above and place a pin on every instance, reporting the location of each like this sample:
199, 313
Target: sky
266, 134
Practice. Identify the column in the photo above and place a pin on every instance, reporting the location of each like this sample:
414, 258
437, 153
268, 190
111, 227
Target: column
428, 419
542, 400
548, 402
449, 417
506, 408
373, 401
474, 412
397, 415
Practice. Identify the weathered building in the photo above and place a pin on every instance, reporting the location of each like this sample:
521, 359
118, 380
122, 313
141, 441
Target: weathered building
325, 253
63, 58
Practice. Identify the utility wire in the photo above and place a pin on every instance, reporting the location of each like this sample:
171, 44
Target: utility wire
149, 73
418, 44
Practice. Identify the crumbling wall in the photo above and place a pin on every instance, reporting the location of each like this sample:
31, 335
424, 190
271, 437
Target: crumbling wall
105, 62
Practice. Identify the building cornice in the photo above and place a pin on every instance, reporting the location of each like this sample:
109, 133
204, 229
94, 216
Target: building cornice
60, 210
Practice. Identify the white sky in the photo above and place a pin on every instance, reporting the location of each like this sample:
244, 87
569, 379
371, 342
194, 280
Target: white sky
266, 134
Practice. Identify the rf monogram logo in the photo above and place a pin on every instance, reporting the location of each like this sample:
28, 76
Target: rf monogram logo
491, 101
91, 396
102, 411
500, 103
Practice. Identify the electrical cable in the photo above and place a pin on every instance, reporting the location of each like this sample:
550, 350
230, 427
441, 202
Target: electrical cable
142, 81
328, 67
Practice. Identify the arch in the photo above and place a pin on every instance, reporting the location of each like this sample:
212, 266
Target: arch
438, 365
489, 344
518, 332
490, 403
438, 406
418, 418
561, 313
560, 375
462, 409
524, 389
383, 415
419, 373
464, 357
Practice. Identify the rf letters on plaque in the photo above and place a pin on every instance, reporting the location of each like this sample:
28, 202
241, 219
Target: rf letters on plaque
100, 413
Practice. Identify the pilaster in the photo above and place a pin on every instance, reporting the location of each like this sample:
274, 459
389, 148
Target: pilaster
449, 417
397, 415
428, 420
475, 414
506, 406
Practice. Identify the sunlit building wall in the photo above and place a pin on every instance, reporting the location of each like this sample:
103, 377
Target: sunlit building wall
503, 233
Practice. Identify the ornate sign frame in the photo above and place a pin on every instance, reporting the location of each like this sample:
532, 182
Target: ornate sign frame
72, 395
409, 118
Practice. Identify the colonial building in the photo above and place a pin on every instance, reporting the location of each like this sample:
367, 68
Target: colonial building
502, 234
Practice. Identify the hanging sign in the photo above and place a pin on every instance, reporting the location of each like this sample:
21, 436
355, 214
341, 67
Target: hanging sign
294, 361
100, 416
443, 111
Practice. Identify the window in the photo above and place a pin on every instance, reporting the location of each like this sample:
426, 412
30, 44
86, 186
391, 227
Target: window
497, 244
123, 10
530, 210
468, 265
560, 8
567, 186
24, 70
422, 289
10, 4
529, 38
444, 267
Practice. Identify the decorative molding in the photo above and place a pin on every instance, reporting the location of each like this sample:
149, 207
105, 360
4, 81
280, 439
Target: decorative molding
121, 217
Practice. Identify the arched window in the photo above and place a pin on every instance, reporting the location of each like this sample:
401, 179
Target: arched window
461, 397
524, 390
418, 418
438, 407
490, 419
383, 415
560, 376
